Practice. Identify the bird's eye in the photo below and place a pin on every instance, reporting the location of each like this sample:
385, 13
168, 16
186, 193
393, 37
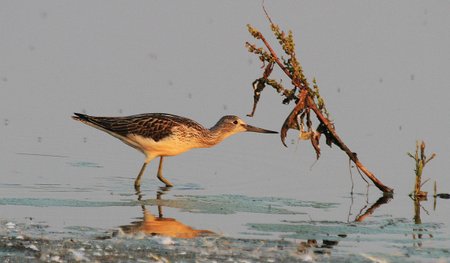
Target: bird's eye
235, 122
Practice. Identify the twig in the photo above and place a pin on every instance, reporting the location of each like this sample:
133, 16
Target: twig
351, 174
421, 160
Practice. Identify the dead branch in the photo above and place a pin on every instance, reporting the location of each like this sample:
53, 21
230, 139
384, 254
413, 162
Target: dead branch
306, 99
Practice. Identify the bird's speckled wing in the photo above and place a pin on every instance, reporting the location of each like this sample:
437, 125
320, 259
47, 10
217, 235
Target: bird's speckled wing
151, 125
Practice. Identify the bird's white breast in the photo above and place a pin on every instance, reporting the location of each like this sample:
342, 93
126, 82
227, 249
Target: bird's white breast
169, 146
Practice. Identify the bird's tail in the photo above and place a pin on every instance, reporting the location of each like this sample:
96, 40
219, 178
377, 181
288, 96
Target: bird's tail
89, 120
80, 117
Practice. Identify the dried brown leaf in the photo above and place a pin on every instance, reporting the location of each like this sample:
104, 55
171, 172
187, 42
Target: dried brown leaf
315, 138
258, 86
291, 120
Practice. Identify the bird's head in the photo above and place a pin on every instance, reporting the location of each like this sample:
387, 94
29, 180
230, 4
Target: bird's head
233, 124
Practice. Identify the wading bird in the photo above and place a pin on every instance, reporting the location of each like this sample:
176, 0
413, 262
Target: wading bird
162, 134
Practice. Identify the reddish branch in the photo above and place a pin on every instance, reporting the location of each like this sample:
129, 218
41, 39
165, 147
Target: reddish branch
352, 155
305, 101
276, 59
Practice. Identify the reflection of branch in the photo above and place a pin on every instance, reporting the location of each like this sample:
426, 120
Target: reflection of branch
417, 219
381, 201
351, 175
417, 207
361, 213
350, 208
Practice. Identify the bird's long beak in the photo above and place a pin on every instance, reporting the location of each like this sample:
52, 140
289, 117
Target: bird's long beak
250, 128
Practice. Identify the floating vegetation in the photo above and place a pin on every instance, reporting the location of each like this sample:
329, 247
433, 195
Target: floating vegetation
30, 247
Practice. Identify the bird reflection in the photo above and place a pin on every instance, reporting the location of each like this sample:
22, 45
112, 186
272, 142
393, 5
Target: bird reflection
160, 225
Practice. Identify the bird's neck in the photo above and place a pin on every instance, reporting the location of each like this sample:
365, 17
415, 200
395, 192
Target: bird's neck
213, 136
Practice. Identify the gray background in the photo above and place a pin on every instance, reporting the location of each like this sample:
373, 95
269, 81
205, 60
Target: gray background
382, 67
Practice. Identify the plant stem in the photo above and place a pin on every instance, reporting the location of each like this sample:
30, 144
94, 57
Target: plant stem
303, 95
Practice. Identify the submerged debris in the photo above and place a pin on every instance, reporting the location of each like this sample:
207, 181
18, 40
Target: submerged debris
327, 242
145, 248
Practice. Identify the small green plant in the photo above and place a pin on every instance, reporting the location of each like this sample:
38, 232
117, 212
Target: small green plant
421, 160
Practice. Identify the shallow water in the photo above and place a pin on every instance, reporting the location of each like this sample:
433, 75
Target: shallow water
66, 190
223, 227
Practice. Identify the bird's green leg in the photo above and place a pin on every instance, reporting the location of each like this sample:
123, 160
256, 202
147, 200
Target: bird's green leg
159, 175
137, 182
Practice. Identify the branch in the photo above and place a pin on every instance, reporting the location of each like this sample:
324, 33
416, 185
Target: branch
306, 97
